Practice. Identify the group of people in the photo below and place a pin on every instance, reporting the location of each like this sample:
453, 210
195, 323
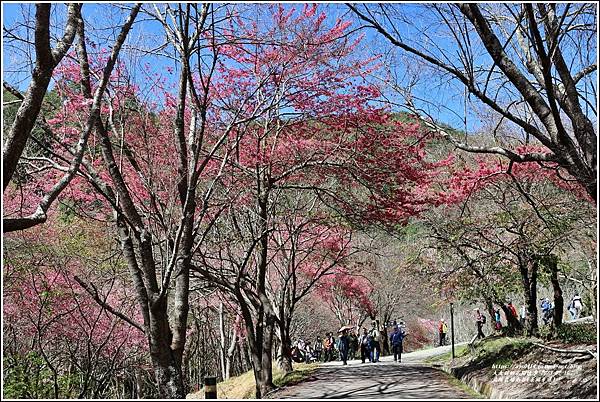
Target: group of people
546, 306
306, 352
349, 343
369, 341
574, 308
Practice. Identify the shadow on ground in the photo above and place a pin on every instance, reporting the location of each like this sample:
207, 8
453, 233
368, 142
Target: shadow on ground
373, 381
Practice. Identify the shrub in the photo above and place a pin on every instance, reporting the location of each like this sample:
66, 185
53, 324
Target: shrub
577, 333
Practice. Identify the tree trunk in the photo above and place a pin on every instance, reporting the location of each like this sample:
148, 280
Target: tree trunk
246, 360
385, 347
222, 346
262, 367
489, 306
168, 375
528, 268
285, 351
266, 380
139, 394
166, 363
552, 265
230, 352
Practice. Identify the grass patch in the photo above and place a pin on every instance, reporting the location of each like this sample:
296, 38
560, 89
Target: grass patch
244, 387
459, 351
500, 347
459, 384
301, 371
490, 351
495, 348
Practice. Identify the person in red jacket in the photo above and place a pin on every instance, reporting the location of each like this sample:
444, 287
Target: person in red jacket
513, 310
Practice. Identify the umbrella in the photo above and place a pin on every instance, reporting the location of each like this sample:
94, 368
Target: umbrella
345, 328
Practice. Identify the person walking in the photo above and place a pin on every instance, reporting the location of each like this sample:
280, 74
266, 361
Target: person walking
498, 320
479, 321
328, 344
318, 348
353, 345
396, 339
575, 306
344, 346
375, 345
442, 331
365, 345
547, 310
523, 315
513, 310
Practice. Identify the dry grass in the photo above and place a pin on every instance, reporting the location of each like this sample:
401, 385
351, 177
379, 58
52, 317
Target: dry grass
243, 386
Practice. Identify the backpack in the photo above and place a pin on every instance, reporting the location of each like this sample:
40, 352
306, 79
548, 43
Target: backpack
483, 319
397, 338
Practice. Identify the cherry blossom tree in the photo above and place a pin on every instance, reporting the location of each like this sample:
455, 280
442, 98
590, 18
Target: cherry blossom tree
37, 203
536, 72
54, 331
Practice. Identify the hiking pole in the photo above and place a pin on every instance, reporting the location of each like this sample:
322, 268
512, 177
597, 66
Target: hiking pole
452, 326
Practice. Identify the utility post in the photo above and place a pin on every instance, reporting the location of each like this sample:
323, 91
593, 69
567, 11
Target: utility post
210, 388
452, 327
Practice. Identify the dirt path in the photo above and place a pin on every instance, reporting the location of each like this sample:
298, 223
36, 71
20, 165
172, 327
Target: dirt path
386, 379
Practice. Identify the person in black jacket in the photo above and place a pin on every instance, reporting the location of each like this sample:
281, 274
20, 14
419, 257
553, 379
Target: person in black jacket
344, 346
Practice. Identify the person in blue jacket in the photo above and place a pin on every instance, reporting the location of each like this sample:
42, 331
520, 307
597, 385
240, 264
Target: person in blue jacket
396, 340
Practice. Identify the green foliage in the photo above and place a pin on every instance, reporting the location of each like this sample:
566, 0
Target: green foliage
39, 142
67, 212
577, 333
9, 110
27, 376
545, 332
570, 333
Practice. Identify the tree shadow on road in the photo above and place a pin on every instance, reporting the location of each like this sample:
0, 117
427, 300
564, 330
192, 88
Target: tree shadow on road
375, 381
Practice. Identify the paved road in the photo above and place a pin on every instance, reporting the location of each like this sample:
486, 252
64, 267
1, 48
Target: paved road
386, 379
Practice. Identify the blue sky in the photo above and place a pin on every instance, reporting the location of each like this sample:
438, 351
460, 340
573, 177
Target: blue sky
443, 99
101, 16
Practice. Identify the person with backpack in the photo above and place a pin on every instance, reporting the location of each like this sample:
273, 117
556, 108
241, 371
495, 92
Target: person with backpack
297, 355
575, 306
396, 341
365, 346
375, 345
442, 331
480, 321
547, 310
301, 345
